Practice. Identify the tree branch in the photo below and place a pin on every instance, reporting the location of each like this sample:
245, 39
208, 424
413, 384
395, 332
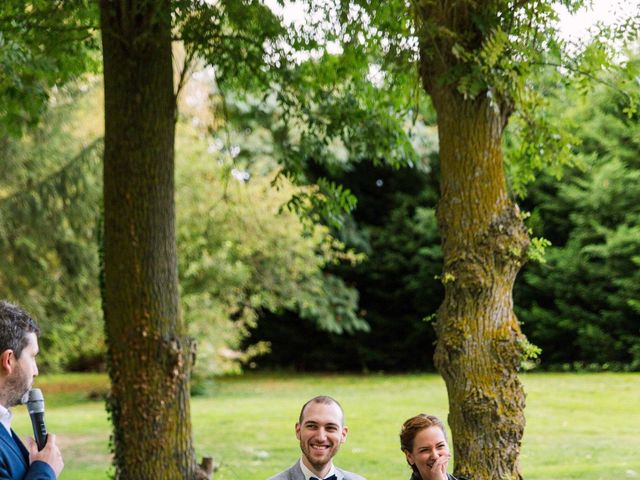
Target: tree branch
184, 72
58, 173
584, 73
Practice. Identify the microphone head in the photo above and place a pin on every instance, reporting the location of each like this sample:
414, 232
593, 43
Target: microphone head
34, 401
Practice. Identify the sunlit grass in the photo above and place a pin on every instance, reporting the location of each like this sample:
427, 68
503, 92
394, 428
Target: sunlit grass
579, 426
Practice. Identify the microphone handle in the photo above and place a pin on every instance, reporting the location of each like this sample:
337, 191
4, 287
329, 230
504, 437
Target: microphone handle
39, 429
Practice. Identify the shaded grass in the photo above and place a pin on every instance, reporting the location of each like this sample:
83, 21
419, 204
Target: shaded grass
578, 425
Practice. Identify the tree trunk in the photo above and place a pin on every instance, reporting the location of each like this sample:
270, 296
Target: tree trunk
484, 245
149, 356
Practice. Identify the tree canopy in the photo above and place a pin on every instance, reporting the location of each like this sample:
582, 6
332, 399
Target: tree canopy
43, 45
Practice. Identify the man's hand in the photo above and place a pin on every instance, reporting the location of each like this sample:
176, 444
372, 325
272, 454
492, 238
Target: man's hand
49, 454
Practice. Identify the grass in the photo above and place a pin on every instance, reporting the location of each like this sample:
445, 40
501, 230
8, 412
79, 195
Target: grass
579, 426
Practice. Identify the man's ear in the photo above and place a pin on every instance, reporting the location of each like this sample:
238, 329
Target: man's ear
6, 361
298, 430
345, 430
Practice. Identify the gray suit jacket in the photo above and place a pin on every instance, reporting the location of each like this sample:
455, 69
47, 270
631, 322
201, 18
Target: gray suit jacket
295, 473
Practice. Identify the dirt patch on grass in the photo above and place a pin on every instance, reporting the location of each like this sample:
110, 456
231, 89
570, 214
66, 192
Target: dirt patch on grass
85, 449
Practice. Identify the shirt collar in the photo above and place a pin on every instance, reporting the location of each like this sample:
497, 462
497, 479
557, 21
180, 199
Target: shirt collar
5, 418
308, 473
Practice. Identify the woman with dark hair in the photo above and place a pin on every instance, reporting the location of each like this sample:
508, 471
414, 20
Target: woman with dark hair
423, 440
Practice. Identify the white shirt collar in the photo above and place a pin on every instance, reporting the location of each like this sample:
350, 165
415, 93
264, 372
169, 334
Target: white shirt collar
308, 473
5, 418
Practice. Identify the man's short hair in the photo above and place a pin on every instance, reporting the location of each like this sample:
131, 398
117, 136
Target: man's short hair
325, 399
15, 325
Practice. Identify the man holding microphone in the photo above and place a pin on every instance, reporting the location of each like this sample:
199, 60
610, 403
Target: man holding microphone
18, 350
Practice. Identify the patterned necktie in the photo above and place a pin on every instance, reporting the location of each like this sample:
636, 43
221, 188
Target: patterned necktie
332, 477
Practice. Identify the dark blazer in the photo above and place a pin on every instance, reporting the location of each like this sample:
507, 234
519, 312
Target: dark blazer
295, 473
14, 461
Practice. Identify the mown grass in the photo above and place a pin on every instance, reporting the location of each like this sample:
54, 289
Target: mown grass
579, 426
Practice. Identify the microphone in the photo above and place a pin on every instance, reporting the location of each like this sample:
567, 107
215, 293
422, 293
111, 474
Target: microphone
35, 406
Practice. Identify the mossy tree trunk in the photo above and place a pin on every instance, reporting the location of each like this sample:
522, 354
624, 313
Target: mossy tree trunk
484, 240
149, 355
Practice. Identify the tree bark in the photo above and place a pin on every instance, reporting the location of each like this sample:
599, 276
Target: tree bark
149, 355
484, 245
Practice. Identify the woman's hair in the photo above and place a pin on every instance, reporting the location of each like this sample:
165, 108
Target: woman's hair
411, 427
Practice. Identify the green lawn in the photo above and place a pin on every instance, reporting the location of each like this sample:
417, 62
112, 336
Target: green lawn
579, 426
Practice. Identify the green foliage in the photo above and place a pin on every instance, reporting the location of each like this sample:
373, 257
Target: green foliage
49, 201
240, 253
541, 137
586, 293
539, 140
582, 305
323, 204
530, 354
507, 54
311, 100
241, 39
326, 115
343, 92
537, 249
329, 127
326, 110
340, 120
395, 224
43, 45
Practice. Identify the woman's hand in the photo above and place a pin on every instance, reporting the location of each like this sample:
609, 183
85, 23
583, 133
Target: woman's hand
439, 467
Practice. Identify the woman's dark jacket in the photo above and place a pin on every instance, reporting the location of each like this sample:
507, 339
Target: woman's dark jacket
415, 476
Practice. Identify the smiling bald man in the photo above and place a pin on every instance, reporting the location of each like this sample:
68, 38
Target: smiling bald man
320, 430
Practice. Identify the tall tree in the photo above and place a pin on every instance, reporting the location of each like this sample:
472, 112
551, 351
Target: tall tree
484, 243
474, 60
149, 356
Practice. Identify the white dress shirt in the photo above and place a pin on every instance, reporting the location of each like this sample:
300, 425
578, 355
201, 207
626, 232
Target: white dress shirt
308, 473
5, 418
